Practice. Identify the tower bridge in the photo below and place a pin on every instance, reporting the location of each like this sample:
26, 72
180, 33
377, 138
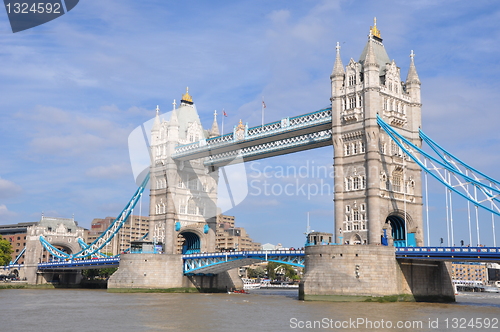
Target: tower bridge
374, 125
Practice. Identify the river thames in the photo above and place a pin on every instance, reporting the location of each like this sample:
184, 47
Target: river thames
261, 310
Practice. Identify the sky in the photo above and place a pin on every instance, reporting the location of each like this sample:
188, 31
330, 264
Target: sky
73, 89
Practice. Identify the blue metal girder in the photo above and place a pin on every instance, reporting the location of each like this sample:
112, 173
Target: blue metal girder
80, 264
450, 253
450, 171
223, 261
106, 236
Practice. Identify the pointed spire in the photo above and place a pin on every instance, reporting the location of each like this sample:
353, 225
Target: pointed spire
215, 127
370, 59
412, 71
156, 124
173, 117
338, 67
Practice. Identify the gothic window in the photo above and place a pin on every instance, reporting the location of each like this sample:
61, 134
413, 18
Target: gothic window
352, 80
397, 179
347, 148
360, 101
355, 185
356, 216
383, 148
363, 225
352, 102
385, 104
193, 184
182, 208
362, 147
354, 148
347, 184
363, 182
191, 207
347, 208
362, 207
158, 151
394, 148
180, 183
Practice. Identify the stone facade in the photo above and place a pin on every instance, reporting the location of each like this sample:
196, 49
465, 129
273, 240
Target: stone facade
376, 187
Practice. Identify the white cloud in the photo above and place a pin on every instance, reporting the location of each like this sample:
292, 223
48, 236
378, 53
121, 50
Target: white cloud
5, 214
9, 189
109, 172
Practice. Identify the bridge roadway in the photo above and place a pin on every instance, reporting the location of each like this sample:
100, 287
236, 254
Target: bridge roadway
217, 262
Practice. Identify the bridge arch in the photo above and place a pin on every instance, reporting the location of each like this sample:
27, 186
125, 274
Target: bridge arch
190, 241
401, 229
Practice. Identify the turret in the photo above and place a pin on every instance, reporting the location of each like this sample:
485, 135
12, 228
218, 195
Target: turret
338, 74
214, 131
412, 81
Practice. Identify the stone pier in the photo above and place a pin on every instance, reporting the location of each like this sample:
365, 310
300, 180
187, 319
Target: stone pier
165, 272
370, 272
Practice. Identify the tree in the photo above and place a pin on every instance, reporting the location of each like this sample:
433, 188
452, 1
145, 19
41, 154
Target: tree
5, 251
256, 273
274, 268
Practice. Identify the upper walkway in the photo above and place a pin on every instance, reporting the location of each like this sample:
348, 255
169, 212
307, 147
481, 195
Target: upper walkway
289, 135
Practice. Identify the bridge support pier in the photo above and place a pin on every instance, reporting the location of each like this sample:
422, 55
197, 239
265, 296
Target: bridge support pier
165, 271
369, 272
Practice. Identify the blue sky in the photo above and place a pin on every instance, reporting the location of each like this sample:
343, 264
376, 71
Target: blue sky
73, 89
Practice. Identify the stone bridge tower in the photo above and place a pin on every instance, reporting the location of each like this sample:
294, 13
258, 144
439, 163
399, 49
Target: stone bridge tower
60, 232
377, 189
183, 194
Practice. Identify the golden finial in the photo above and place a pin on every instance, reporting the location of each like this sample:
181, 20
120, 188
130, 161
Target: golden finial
240, 125
373, 30
186, 96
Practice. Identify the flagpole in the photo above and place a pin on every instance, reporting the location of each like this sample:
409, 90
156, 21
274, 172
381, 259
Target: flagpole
262, 111
223, 116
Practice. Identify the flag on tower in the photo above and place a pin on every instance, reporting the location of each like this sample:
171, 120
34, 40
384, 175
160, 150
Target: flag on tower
224, 113
263, 104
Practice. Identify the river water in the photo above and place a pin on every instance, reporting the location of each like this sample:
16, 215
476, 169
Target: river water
261, 310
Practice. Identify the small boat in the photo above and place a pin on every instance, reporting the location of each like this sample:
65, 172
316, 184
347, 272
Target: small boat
238, 291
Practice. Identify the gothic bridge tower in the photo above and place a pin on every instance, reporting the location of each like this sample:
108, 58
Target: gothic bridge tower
377, 189
183, 194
